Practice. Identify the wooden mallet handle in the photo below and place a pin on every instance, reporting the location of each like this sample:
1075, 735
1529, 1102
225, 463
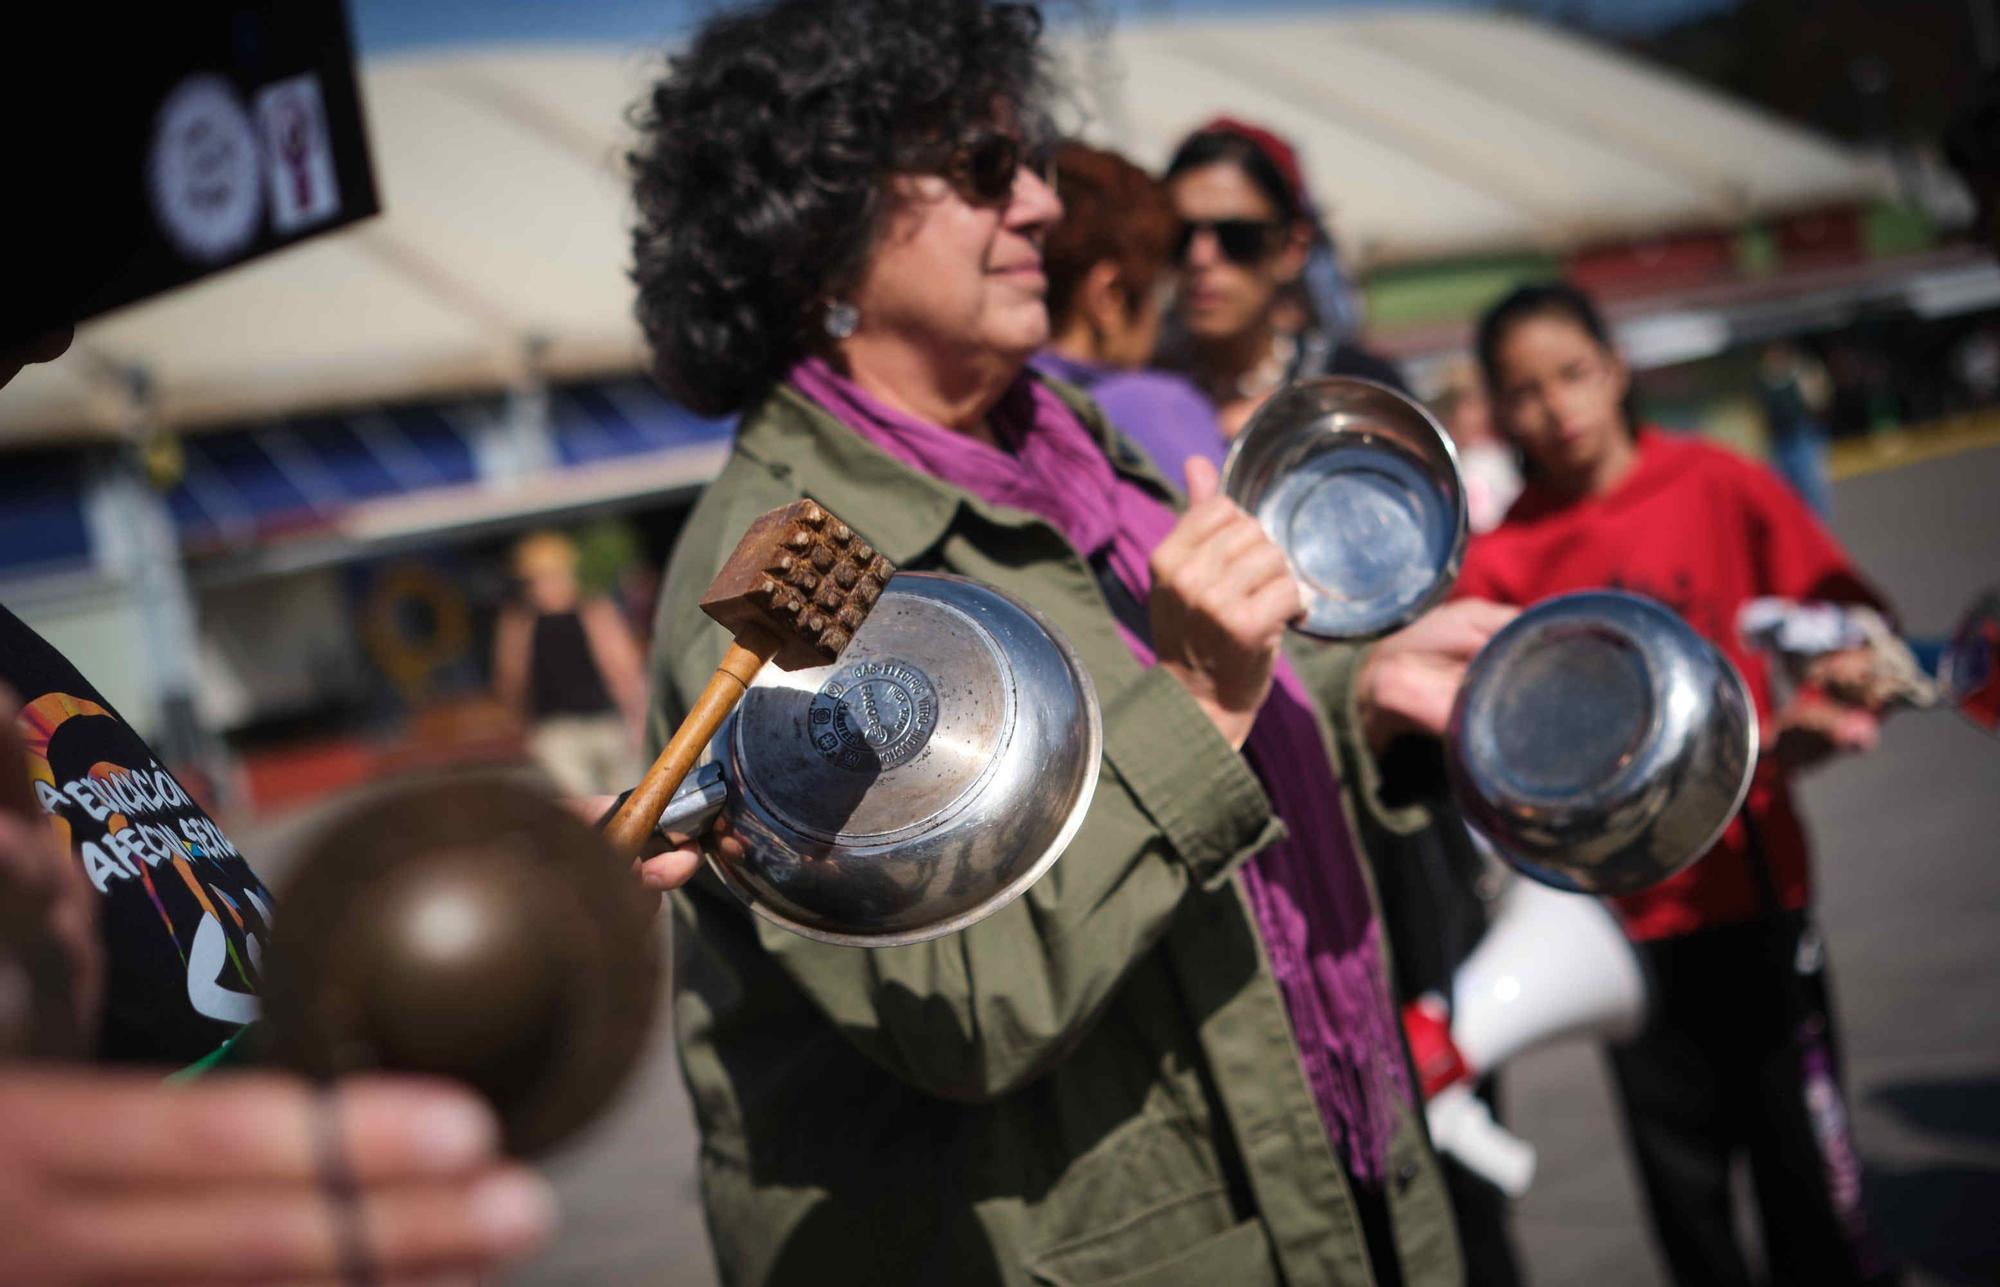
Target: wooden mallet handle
797, 588
636, 818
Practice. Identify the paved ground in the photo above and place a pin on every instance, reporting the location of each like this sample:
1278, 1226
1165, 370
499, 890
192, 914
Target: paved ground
1910, 901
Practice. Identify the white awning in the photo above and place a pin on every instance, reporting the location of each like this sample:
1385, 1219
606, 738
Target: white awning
1429, 134
502, 252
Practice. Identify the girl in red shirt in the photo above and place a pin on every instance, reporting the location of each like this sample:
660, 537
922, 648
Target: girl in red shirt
1738, 1055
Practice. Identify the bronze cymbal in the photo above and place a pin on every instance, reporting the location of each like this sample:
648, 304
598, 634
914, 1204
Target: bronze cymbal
469, 928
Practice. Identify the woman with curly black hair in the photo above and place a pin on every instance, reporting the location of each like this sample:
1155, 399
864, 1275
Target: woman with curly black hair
1174, 1058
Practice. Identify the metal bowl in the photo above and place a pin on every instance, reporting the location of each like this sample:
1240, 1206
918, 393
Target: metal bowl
470, 928
1360, 488
1600, 744
916, 786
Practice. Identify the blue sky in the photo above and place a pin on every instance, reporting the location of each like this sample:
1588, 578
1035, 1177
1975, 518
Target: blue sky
386, 25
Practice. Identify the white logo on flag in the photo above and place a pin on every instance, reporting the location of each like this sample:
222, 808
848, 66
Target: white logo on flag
201, 171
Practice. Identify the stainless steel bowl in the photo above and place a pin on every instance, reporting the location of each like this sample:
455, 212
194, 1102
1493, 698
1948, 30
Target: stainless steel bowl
916, 786
1600, 744
1360, 488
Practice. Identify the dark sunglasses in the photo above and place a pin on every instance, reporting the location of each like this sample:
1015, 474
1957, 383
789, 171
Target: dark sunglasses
1242, 241
984, 166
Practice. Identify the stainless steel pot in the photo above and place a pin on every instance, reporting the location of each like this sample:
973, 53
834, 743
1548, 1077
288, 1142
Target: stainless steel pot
917, 785
1360, 488
1600, 744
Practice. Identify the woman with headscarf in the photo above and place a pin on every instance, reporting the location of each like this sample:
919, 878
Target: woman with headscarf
1174, 1058
1261, 302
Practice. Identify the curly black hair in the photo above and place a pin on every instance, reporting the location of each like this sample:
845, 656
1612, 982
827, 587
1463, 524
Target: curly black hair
764, 154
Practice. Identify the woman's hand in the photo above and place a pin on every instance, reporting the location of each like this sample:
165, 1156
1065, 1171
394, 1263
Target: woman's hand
1222, 596
1411, 678
115, 1178
671, 866
1855, 678
1811, 730
662, 865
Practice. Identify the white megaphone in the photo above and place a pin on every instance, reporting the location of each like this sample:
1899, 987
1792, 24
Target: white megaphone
1552, 965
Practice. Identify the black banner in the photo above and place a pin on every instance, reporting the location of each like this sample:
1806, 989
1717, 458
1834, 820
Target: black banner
155, 145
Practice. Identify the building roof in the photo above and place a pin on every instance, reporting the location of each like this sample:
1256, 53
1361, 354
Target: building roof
501, 253
1430, 134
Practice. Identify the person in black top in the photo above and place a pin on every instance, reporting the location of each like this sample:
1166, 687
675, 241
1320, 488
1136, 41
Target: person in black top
569, 665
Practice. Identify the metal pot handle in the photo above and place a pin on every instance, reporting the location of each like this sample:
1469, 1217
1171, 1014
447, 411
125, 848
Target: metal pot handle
695, 805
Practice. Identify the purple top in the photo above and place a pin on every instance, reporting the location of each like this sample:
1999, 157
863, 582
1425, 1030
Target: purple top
1164, 414
1306, 891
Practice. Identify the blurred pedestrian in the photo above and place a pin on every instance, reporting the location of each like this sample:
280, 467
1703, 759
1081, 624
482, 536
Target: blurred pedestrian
1245, 322
1740, 1055
1111, 279
1797, 394
1972, 145
1975, 367
568, 663
1486, 460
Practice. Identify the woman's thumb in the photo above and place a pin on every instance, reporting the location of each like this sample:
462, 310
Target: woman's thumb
1202, 480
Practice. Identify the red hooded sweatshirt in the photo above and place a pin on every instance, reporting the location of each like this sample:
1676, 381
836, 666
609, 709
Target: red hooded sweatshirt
1700, 529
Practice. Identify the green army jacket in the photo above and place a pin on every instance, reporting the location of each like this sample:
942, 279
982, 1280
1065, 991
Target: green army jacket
1098, 1083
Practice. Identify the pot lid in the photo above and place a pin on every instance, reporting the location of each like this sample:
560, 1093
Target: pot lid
924, 779
1360, 488
893, 738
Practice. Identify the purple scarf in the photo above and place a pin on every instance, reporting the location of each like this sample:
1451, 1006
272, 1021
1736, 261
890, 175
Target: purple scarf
1307, 892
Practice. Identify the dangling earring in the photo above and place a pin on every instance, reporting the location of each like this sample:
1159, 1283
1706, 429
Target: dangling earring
841, 320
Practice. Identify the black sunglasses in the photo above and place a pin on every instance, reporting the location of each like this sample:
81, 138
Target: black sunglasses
983, 167
1242, 241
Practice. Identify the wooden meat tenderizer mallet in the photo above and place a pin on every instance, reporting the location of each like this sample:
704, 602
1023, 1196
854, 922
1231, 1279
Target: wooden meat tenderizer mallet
797, 588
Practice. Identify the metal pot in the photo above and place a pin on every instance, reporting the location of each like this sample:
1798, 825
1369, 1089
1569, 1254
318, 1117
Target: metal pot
1600, 744
1360, 488
916, 786
472, 928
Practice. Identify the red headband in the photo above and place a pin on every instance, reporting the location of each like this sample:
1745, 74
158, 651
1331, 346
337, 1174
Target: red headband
1278, 152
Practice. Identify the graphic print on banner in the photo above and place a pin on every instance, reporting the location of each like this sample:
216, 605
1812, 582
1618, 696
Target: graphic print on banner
164, 869
298, 154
